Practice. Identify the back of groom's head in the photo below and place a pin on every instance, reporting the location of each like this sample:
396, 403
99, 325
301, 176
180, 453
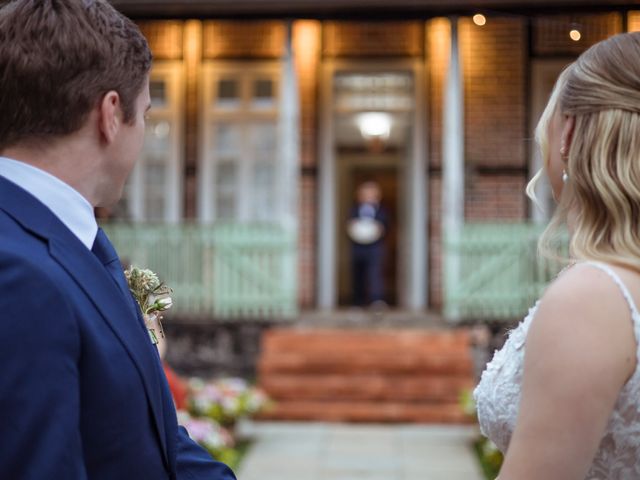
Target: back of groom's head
58, 58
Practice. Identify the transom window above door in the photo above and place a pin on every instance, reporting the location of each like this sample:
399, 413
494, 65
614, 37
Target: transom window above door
372, 109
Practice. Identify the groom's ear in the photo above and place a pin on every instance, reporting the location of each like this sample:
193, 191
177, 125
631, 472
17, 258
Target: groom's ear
109, 116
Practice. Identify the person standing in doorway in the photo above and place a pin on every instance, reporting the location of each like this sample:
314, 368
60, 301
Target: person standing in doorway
368, 223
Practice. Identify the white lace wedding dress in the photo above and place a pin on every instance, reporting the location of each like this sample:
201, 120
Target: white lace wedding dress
498, 394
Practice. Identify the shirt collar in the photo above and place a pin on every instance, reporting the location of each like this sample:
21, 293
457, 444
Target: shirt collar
71, 208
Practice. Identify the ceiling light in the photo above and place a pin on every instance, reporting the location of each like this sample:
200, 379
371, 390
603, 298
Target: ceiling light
374, 125
479, 19
575, 35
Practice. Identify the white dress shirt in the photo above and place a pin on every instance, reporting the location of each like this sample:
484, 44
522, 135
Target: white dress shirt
63, 200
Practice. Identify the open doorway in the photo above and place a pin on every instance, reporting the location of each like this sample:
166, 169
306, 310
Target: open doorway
384, 171
371, 129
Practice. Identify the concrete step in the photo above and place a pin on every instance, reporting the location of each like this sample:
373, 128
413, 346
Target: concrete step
350, 411
291, 340
403, 375
347, 362
367, 387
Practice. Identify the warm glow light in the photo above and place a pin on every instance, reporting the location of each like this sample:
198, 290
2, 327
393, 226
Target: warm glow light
306, 44
479, 19
575, 35
374, 125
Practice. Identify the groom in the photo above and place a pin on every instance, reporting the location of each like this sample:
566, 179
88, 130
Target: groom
82, 392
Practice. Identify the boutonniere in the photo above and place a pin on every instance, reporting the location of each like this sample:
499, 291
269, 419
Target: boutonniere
153, 297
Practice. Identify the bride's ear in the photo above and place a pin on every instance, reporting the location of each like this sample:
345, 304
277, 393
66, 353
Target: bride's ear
567, 132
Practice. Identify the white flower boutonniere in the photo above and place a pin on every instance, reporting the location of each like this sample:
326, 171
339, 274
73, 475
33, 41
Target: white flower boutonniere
153, 297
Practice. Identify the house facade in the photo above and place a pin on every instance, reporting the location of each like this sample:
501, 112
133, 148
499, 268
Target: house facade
267, 115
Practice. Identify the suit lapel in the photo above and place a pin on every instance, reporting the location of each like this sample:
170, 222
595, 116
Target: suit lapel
96, 282
91, 276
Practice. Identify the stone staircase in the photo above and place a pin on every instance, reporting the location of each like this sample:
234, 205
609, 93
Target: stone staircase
384, 375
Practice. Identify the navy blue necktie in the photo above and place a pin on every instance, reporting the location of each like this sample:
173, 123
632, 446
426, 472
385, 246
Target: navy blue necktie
103, 249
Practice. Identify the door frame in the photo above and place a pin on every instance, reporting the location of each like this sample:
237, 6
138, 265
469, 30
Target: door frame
413, 248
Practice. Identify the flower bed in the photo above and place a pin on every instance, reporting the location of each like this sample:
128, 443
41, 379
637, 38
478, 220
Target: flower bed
213, 409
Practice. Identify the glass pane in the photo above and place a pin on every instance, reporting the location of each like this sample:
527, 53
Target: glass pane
263, 201
263, 93
158, 92
157, 138
227, 140
226, 190
155, 174
264, 141
228, 93
154, 192
374, 91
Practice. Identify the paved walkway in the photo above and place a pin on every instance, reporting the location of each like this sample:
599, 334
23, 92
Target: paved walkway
321, 451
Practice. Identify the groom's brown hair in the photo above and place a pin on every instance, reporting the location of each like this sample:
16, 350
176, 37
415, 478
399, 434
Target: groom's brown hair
58, 58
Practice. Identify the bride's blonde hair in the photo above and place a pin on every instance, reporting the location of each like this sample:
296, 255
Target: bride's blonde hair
601, 199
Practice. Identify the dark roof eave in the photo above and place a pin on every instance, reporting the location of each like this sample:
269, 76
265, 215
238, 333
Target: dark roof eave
353, 8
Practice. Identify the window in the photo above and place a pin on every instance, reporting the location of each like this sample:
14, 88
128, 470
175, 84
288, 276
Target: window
240, 146
153, 191
228, 94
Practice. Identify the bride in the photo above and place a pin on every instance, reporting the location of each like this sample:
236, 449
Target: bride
562, 398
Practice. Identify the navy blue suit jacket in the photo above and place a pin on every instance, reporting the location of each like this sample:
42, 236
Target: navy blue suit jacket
82, 391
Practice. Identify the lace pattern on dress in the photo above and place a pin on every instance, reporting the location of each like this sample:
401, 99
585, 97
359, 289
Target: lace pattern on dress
497, 398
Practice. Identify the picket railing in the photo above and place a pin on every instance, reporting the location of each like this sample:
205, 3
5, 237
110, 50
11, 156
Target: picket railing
221, 271
493, 272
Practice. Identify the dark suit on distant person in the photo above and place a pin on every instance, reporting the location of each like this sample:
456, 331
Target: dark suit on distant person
367, 260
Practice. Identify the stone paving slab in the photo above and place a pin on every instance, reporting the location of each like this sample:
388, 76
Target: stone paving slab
324, 451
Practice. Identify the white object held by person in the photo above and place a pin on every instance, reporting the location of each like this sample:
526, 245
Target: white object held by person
365, 231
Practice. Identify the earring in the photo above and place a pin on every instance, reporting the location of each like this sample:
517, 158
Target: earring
565, 176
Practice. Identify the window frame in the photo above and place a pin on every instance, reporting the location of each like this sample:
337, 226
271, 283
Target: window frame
244, 117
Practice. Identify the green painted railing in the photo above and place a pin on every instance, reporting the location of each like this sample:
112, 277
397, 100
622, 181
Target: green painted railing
493, 272
221, 271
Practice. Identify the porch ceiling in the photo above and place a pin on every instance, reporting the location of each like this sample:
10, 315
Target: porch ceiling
352, 8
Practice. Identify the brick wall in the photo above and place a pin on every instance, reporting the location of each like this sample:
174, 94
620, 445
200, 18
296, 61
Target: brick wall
373, 39
438, 49
551, 33
307, 233
496, 197
164, 37
249, 39
435, 240
306, 44
192, 64
633, 21
494, 62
